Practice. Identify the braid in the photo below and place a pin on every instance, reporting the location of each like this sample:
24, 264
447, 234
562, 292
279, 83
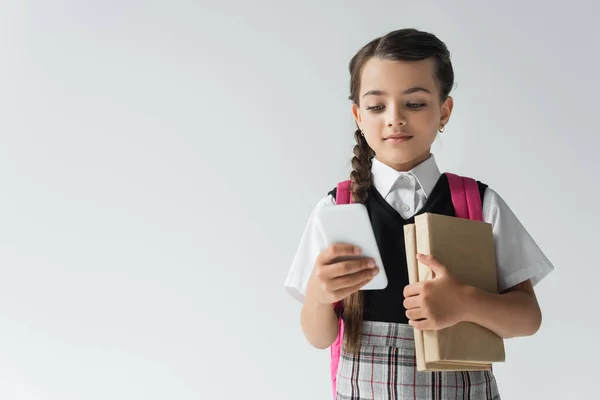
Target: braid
361, 165
362, 179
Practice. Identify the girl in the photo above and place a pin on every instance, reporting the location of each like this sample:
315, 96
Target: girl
399, 87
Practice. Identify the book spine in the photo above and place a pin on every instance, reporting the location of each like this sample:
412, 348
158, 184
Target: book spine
410, 245
430, 338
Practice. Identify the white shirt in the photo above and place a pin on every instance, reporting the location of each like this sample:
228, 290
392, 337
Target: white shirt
518, 257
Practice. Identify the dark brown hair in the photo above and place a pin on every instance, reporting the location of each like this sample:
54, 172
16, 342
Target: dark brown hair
399, 45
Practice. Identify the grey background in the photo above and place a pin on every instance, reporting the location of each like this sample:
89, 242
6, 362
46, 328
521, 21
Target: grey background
159, 159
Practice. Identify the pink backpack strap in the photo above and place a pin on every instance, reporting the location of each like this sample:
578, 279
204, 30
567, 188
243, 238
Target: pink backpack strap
465, 197
344, 192
343, 196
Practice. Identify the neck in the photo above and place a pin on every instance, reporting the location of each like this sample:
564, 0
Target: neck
407, 166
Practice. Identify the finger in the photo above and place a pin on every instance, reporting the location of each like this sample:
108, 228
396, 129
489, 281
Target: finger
415, 314
423, 325
412, 302
337, 250
327, 272
351, 280
349, 267
343, 293
413, 289
437, 267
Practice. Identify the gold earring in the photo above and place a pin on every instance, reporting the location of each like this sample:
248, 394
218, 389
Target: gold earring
442, 129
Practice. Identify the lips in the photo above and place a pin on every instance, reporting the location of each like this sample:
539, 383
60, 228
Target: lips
398, 137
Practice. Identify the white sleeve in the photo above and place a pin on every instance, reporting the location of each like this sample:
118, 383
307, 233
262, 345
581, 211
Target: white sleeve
518, 257
310, 246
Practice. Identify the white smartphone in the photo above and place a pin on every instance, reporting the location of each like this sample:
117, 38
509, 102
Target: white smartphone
350, 223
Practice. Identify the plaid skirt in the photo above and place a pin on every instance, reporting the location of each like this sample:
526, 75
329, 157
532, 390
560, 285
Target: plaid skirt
385, 369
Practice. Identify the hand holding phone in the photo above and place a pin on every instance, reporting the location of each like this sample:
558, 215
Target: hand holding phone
340, 271
350, 224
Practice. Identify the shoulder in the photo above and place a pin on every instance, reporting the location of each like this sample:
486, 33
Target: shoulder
497, 212
325, 201
495, 209
495, 206
518, 256
310, 245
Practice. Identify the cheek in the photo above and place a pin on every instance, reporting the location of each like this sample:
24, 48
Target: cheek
424, 124
374, 127
427, 117
373, 122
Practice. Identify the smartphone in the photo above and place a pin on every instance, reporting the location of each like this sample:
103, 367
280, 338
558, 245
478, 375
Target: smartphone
350, 223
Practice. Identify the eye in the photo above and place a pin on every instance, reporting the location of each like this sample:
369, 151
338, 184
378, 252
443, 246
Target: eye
375, 108
415, 106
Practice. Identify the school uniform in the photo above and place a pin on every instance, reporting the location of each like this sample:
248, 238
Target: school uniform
385, 367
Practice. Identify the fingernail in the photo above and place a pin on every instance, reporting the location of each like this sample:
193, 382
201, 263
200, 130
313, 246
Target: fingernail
371, 264
356, 251
375, 271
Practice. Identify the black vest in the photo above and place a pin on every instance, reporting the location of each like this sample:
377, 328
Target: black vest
387, 304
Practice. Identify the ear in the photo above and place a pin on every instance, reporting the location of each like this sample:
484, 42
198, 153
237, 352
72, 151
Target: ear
356, 114
447, 110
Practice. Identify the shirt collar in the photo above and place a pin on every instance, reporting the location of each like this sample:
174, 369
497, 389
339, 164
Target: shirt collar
426, 174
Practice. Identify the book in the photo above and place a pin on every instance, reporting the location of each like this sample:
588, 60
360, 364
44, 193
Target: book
466, 248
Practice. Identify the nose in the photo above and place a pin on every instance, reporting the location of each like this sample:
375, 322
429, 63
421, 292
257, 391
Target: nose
396, 117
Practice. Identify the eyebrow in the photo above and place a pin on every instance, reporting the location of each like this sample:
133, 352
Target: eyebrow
415, 89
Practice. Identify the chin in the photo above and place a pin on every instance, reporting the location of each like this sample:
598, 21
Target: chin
405, 159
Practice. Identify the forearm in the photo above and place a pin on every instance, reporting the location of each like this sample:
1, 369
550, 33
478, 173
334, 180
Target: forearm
510, 314
319, 323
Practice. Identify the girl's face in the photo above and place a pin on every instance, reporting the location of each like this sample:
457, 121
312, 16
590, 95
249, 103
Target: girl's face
400, 111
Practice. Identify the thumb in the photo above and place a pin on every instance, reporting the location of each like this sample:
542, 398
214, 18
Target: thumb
437, 267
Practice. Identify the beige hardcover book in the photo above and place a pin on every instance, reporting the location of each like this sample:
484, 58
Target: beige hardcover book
466, 247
